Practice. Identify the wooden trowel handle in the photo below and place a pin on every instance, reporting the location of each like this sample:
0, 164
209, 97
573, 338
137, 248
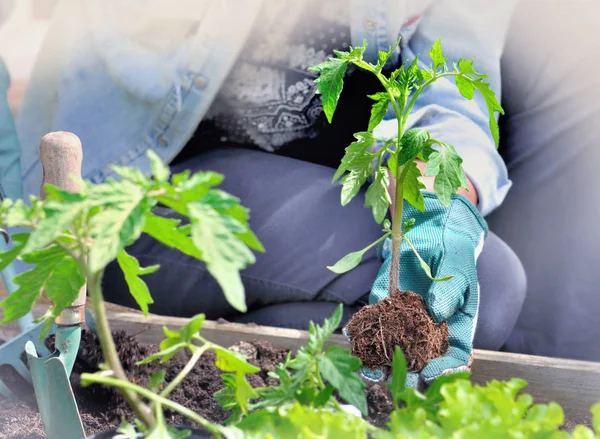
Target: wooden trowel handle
61, 156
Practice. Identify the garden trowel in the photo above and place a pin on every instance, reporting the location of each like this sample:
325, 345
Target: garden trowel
61, 157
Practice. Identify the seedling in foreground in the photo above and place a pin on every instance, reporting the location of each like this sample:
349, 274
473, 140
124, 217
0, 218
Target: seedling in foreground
403, 87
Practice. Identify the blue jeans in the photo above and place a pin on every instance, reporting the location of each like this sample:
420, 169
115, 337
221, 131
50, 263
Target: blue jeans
296, 213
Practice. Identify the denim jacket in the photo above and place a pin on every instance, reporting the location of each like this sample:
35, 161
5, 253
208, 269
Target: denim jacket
128, 76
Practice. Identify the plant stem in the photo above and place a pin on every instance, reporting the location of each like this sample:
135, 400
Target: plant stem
397, 230
184, 372
109, 351
127, 386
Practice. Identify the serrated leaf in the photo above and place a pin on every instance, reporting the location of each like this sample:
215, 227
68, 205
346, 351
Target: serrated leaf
437, 55
132, 174
353, 181
354, 152
465, 86
8, 256
337, 367
247, 236
159, 170
348, 262
424, 265
31, 283
59, 217
330, 83
446, 166
323, 396
224, 253
137, 287
168, 232
408, 225
399, 373
378, 112
318, 334
493, 106
426, 74
192, 327
411, 144
413, 186
119, 223
377, 196
229, 361
156, 380
62, 287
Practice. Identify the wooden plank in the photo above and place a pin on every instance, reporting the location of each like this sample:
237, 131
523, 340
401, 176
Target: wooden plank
575, 385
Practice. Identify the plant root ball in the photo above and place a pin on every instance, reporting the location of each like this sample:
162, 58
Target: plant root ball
399, 320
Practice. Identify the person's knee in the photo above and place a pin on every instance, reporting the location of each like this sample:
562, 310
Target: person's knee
503, 285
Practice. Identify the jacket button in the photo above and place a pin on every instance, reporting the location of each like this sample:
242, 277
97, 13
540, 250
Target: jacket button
163, 141
200, 82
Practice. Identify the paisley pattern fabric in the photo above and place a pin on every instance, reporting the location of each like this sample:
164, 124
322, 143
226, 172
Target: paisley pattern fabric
269, 98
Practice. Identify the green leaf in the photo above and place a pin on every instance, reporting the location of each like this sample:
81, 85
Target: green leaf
493, 106
159, 170
317, 335
119, 223
583, 432
348, 262
413, 186
387, 225
354, 55
355, 152
411, 144
59, 217
242, 215
62, 287
399, 374
161, 431
353, 181
168, 349
446, 166
156, 380
337, 367
424, 265
465, 86
437, 55
7, 257
378, 110
31, 283
135, 175
392, 164
224, 253
168, 232
426, 74
596, 417
192, 327
408, 225
229, 361
127, 429
323, 397
137, 287
330, 83
377, 196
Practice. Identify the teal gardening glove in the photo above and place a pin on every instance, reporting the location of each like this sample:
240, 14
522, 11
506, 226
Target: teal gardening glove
10, 152
449, 240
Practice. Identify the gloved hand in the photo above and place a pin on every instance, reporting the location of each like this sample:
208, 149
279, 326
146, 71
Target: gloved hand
449, 240
11, 185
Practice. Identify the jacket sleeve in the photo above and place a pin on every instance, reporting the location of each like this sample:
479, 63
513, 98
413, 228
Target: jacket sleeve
11, 185
470, 29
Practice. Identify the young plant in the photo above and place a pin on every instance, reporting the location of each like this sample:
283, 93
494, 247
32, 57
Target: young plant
74, 236
402, 88
304, 404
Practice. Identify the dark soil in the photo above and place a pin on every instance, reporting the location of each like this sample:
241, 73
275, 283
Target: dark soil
399, 320
102, 408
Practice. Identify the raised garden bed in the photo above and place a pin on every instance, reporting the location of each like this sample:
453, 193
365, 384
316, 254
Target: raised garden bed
573, 384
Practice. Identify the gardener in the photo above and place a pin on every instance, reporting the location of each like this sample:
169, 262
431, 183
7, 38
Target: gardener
223, 86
